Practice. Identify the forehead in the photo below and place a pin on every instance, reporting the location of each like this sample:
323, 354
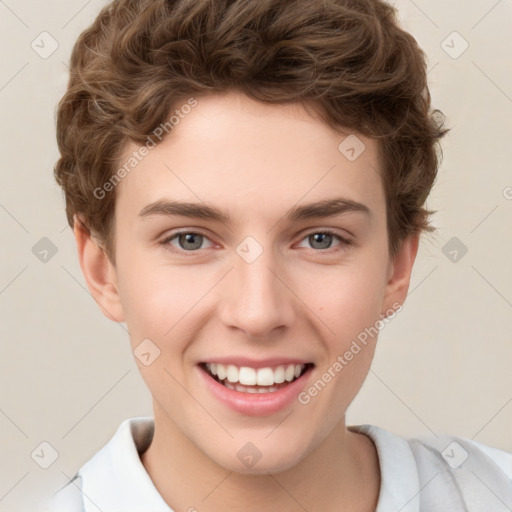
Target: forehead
251, 157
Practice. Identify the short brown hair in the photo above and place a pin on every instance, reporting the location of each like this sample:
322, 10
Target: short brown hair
349, 57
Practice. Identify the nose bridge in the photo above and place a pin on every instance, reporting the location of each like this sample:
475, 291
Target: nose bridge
258, 300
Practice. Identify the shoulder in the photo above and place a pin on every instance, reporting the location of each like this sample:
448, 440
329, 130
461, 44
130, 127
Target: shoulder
458, 453
445, 469
479, 476
69, 498
110, 477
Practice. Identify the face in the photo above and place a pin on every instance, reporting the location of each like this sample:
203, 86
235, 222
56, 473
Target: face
250, 255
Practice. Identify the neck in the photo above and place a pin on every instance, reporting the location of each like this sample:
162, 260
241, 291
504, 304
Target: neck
341, 473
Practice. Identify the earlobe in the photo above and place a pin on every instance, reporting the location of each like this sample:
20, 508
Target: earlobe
99, 274
399, 276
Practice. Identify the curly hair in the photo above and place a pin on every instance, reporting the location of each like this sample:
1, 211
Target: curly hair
349, 58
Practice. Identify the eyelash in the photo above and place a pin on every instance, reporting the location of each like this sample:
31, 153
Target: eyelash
344, 242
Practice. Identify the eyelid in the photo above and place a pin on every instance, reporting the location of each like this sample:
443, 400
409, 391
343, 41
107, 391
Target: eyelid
331, 231
344, 240
170, 236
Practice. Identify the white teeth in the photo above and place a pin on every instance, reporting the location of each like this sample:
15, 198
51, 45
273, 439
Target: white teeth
221, 371
279, 375
232, 373
289, 373
247, 376
265, 377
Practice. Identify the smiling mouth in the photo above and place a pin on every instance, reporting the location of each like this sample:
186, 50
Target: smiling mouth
255, 380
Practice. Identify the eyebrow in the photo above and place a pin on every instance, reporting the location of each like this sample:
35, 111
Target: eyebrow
325, 208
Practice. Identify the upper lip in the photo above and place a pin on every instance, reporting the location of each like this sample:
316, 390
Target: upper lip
256, 363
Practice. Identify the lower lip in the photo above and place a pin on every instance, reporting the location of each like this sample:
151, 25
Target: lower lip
256, 404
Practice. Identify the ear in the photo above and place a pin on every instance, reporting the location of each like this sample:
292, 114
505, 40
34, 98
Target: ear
99, 273
399, 274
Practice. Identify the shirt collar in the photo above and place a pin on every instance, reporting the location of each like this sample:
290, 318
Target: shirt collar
116, 480
399, 485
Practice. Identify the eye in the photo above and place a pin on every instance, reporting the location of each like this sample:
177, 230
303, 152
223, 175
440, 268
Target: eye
188, 241
322, 240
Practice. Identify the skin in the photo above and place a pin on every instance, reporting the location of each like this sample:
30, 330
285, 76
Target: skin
296, 299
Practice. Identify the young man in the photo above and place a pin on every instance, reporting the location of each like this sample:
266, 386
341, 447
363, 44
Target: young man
246, 182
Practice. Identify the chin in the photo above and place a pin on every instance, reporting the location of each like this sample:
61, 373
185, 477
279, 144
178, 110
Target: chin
249, 460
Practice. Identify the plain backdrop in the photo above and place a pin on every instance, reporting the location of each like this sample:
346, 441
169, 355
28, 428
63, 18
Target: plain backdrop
442, 366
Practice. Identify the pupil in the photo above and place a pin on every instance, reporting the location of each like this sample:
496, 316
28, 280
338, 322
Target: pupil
189, 238
322, 238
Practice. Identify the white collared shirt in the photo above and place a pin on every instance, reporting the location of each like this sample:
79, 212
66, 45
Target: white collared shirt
448, 474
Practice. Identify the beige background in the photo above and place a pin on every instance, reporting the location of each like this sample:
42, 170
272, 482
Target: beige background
443, 366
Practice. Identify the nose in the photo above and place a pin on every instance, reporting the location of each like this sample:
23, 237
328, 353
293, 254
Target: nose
257, 299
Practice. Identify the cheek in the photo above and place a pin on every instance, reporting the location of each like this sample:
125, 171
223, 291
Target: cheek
347, 298
159, 301
159, 306
349, 305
